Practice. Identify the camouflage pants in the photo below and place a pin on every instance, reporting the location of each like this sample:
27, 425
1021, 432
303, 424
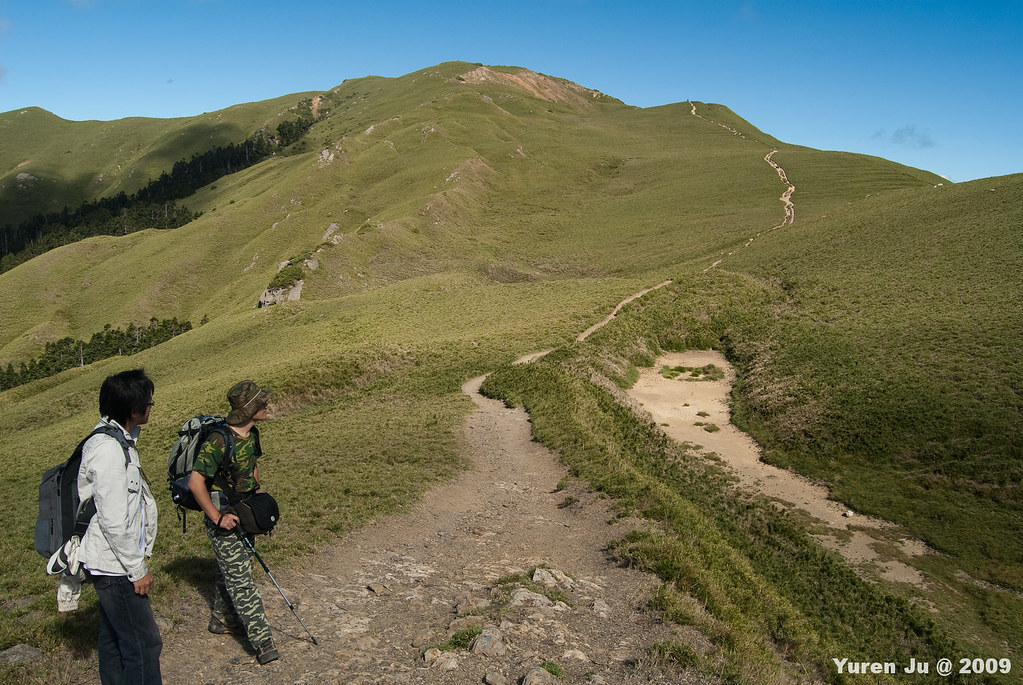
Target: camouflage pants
236, 598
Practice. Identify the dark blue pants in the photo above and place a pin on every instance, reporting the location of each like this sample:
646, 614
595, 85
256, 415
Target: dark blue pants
129, 641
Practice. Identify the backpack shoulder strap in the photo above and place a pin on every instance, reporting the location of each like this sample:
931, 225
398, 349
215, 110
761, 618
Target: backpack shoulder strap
255, 432
228, 436
86, 510
221, 476
118, 435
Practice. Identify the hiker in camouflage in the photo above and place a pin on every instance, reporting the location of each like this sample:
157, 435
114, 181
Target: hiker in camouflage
237, 605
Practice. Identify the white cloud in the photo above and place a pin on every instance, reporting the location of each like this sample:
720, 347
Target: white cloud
748, 12
907, 136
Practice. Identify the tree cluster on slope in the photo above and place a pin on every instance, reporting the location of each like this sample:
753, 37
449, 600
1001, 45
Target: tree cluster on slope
66, 353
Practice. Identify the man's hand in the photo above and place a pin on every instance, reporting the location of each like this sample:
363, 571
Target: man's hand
197, 485
144, 584
228, 521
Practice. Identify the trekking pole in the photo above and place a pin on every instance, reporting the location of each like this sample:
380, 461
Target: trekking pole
274, 581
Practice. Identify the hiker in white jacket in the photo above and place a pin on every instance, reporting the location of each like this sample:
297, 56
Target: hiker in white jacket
120, 536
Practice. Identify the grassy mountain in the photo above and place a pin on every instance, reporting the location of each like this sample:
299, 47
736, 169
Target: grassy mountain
456, 217
48, 163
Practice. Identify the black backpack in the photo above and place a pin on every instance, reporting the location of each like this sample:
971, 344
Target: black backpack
61, 514
181, 461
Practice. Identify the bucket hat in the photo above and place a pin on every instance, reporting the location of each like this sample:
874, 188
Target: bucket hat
246, 399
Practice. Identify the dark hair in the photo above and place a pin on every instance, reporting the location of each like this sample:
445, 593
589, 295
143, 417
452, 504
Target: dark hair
123, 393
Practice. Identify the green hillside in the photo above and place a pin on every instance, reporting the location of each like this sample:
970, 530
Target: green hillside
48, 163
903, 321
878, 352
454, 218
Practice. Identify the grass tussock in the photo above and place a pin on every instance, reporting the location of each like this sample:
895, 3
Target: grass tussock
710, 372
462, 639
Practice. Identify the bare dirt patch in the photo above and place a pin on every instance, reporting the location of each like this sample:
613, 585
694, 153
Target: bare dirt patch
687, 407
537, 85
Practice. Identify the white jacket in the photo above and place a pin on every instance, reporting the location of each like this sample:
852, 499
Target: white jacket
122, 532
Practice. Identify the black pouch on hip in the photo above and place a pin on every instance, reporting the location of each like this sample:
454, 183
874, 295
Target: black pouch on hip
258, 513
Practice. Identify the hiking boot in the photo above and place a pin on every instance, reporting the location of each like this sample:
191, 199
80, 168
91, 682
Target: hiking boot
267, 652
218, 627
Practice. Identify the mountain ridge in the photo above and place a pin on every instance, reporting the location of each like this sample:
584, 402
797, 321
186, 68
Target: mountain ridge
70, 162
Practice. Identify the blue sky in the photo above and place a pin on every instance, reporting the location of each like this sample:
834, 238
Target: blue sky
937, 85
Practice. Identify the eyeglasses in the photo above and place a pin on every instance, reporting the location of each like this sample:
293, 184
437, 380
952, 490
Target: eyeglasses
150, 403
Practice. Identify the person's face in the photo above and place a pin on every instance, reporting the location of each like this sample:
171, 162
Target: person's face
140, 418
261, 415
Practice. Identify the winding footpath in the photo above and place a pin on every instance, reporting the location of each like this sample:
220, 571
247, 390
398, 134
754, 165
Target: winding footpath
678, 409
786, 196
600, 324
382, 597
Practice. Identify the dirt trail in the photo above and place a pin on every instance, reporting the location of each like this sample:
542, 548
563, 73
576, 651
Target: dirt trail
377, 600
786, 197
600, 324
381, 597
857, 538
386, 592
